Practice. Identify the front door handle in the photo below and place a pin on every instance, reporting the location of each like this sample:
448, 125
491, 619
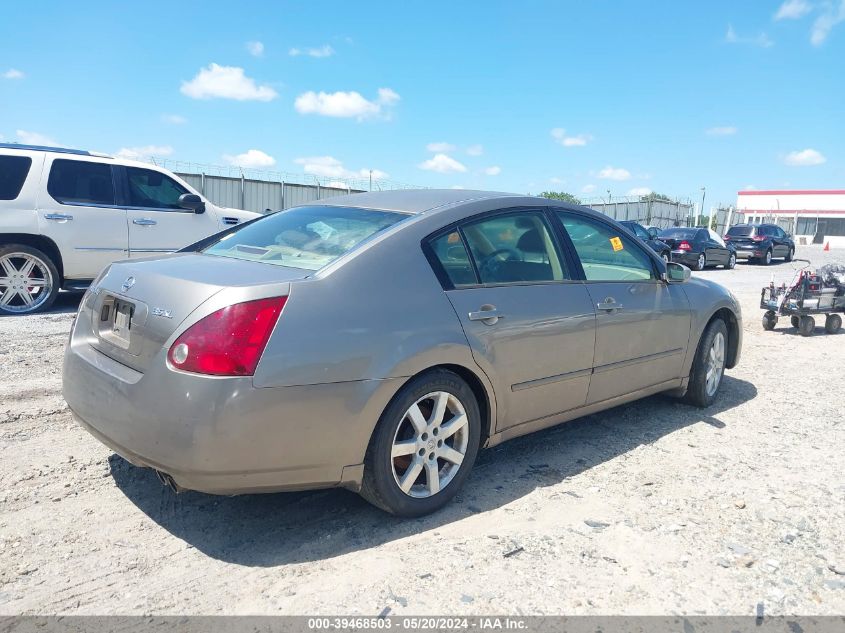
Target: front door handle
59, 217
144, 222
609, 305
488, 315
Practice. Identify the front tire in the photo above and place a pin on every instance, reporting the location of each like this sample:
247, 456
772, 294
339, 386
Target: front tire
770, 320
789, 255
708, 367
731, 262
424, 446
832, 323
29, 280
806, 325
701, 262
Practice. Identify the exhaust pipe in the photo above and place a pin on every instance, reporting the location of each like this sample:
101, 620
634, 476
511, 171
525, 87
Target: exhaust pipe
167, 480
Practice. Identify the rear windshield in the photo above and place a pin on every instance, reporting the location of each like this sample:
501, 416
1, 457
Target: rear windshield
740, 231
679, 234
13, 171
304, 237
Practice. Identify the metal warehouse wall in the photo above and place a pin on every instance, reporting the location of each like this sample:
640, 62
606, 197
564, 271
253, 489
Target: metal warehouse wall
258, 195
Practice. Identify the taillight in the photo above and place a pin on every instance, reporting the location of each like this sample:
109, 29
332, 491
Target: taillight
228, 342
684, 246
727, 238
759, 238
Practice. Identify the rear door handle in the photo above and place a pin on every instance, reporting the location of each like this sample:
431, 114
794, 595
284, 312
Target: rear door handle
59, 217
487, 314
144, 222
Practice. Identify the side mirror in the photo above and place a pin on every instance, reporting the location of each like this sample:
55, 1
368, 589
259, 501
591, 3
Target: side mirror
193, 202
677, 273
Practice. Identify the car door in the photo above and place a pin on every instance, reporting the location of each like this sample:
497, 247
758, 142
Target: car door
78, 211
780, 241
157, 224
642, 323
530, 326
717, 247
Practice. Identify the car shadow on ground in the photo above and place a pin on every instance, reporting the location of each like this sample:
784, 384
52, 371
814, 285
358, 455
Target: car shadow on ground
278, 529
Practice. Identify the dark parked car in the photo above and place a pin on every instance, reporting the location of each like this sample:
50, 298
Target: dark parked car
761, 242
650, 236
698, 248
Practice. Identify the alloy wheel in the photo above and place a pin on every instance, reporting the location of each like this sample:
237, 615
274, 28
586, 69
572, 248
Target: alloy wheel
732, 261
430, 444
715, 364
701, 261
25, 282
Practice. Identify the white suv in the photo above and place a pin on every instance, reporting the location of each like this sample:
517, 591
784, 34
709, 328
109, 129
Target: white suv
66, 214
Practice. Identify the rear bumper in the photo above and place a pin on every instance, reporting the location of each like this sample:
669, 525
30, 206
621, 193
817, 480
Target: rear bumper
223, 435
686, 258
749, 253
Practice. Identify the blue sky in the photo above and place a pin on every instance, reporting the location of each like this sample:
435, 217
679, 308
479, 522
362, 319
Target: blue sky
584, 97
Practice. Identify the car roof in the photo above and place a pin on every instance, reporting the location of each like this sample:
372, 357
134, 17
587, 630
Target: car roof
416, 201
54, 150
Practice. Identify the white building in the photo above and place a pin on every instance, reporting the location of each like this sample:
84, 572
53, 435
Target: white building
813, 216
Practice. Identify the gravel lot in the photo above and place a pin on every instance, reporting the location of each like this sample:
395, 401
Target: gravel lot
650, 508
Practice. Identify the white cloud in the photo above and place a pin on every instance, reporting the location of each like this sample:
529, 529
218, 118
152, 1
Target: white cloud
804, 157
256, 49
762, 40
475, 150
555, 180
337, 184
331, 167
174, 119
345, 104
579, 140
588, 189
639, 191
440, 147
494, 170
251, 158
614, 173
442, 164
826, 21
134, 153
13, 73
727, 130
35, 138
226, 82
320, 51
793, 10
750, 188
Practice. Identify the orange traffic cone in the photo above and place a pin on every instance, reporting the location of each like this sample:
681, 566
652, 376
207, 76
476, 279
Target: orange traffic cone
826, 246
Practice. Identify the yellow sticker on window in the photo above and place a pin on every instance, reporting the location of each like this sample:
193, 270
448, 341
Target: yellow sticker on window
616, 243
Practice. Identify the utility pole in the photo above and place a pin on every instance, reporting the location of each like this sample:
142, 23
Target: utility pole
703, 193
371, 180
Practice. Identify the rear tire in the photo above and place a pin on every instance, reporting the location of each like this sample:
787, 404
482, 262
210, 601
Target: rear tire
767, 258
832, 323
701, 262
789, 255
770, 320
806, 325
708, 367
794, 321
29, 280
405, 464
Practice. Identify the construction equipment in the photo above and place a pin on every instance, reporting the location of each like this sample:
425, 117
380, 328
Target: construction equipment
810, 293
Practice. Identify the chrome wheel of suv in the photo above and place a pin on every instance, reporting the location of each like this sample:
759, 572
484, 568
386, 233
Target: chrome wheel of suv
26, 282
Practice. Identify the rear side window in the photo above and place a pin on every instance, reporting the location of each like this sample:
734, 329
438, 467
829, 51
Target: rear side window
81, 182
453, 257
13, 171
152, 189
605, 253
304, 237
514, 248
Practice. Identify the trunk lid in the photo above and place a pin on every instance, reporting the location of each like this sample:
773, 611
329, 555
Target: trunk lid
139, 304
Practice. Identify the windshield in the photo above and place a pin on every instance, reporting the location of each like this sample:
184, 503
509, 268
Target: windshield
740, 231
679, 234
304, 237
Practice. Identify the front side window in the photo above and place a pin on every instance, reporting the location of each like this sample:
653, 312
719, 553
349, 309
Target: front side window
304, 237
13, 171
513, 248
152, 189
605, 253
453, 257
81, 182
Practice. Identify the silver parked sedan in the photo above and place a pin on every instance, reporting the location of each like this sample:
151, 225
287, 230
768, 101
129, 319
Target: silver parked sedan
377, 341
